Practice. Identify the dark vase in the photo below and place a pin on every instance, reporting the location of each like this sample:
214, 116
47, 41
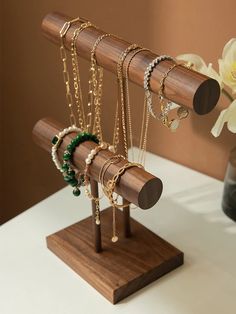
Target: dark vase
229, 194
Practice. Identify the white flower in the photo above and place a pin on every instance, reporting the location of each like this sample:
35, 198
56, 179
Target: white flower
199, 65
227, 65
227, 115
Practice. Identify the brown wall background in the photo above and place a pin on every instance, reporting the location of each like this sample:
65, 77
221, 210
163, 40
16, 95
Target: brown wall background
32, 85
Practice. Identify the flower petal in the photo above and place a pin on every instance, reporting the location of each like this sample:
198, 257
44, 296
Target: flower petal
200, 66
227, 65
209, 71
231, 124
225, 70
228, 46
198, 62
227, 115
217, 128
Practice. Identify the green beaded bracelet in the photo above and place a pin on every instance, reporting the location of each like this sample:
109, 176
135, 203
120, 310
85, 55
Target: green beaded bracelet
67, 168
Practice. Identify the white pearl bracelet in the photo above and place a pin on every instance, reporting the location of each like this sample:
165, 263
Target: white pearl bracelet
56, 141
94, 152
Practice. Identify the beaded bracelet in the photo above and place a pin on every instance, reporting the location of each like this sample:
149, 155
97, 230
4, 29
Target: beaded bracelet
146, 83
56, 141
69, 172
182, 112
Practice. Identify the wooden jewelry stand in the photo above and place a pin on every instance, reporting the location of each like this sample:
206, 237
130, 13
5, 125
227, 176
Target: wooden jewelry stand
119, 269
123, 267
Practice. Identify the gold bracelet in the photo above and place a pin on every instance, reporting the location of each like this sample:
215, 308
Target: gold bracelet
110, 186
112, 160
182, 112
108, 189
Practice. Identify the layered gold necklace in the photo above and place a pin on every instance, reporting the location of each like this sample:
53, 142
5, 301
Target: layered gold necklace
123, 79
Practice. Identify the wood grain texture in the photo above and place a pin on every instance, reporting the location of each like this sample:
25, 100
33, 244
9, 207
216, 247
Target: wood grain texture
183, 86
122, 268
136, 185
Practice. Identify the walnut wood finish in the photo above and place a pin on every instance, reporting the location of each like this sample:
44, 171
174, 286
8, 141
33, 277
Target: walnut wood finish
183, 86
122, 268
136, 185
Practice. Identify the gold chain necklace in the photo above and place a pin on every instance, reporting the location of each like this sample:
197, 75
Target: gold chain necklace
112, 160
66, 75
122, 92
76, 75
145, 115
116, 131
95, 93
144, 133
96, 90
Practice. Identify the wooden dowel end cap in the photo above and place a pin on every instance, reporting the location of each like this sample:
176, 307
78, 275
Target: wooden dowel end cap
150, 193
206, 96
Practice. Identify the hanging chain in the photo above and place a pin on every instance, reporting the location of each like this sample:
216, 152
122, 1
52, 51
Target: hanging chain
116, 131
143, 135
96, 202
97, 129
122, 93
97, 83
66, 76
76, 75
143, 140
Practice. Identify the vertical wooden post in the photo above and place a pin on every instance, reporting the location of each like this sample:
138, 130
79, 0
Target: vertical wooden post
126, 221
96, 228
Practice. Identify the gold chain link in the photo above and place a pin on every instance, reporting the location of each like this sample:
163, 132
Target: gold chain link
76, 75
182, 112
97, 129
66, 76
122, 93
116, 131
145, 115
97, 82
110, 185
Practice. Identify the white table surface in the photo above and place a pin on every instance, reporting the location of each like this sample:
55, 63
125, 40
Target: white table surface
34, 281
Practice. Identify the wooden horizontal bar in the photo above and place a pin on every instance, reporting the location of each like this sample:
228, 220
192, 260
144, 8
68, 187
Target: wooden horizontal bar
136, 185
182, 86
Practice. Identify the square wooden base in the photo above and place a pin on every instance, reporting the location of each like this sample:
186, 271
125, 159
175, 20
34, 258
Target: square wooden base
122, 267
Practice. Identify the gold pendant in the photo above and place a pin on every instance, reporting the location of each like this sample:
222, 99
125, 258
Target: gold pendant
114, 239
182, 113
